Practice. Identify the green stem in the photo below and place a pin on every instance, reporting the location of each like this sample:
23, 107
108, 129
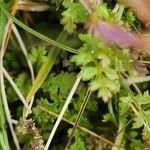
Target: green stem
3, 133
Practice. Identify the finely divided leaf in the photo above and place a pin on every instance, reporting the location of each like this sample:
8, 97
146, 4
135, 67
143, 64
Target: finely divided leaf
75, 13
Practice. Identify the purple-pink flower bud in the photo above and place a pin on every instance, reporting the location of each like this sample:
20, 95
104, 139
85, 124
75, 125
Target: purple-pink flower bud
114, 34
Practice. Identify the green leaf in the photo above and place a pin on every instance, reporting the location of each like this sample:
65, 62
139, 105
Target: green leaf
111, 73
97, 60
124, 105
82, 58
105, 61
137, 121
107, 117
130, 16
74, 14
101, 11
37, 56
94, 85
59, 84
79, 142
143, 99
23, 82
137, 145
146, 135
105, 94
88, 73
113, 85
42, 117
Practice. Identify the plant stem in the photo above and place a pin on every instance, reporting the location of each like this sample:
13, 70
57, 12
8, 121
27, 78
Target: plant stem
80, 127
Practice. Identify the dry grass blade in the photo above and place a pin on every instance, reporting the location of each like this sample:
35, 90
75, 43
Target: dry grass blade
80, 127
82, 108
15, 88
37, 34
138, 79
28, 5
8, 114
2, 86
24, 50
62, 112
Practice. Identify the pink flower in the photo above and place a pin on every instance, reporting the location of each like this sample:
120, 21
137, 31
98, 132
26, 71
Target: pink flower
114, 34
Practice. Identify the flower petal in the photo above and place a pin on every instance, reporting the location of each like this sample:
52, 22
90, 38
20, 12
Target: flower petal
114, 34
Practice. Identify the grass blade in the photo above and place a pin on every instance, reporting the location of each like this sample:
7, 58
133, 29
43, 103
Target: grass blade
3, 133
82, 108
46, 67
35, 33
62, 112
15, 88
